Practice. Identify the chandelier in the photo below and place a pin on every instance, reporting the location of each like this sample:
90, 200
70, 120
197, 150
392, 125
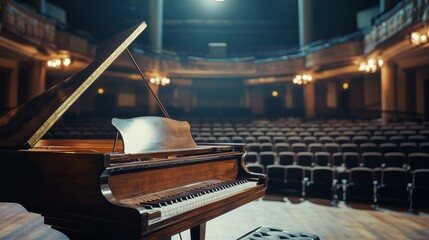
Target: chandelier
160, 80
371, 65
59, 62
418, 39
302, 79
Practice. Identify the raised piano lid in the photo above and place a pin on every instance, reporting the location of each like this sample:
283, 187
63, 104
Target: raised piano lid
25, 125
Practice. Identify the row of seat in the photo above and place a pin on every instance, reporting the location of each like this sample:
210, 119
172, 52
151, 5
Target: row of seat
348, 160
393, 185
405, 147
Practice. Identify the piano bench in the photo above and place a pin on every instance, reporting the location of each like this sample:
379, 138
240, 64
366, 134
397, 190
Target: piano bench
269, 233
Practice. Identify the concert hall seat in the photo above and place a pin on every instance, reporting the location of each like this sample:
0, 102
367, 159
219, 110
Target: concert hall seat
378, 139
281, 147
359, 139
304, 159
388, 147
315, 147
322, 183
250, 139
322, 158
279, 139
408, 147
419, 189
407, 133
294, 177
287, 158
397, 139
342, 139
418, 161
267, 158
368, 147
237, 139
351, 159
224, 139
394, 159
332, 147
393, 186
276, 178
417, 139
253, 147
263, 139
326, 139
294, 139
266, 147
251, 157
371, 159
309, 140
337, 159
360, 185
349, 147
298, 147
424, 147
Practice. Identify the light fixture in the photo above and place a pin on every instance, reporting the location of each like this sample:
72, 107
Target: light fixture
160, 80
346, 86
371, 65
275, 93
100, 91
418, 39
302, 79
59, 62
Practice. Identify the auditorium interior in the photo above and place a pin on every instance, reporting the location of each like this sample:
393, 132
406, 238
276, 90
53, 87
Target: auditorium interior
214, 119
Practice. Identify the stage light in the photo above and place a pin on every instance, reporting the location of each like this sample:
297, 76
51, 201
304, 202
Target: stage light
275, 93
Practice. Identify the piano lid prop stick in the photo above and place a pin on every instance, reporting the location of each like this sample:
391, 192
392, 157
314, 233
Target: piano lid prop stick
116, 142
147, 84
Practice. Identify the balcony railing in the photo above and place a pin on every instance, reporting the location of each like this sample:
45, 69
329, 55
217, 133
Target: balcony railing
26, 23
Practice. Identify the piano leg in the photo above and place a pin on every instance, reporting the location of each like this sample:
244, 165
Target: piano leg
198, 232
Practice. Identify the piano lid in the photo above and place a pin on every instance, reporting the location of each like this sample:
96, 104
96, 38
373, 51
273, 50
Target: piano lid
25, 125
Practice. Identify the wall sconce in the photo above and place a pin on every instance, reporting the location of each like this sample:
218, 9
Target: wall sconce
371, 66
418, 39
302, 79
158, 80
59, 62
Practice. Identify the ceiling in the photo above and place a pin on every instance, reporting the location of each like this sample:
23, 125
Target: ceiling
247, 26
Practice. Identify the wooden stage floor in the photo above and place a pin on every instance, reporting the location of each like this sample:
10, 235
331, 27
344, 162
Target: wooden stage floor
359, 221
315, 216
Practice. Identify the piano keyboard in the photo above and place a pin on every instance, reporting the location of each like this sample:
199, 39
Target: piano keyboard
193, 197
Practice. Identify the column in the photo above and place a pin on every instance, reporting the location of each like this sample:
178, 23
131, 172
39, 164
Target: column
388, 92
401, 90
37, 84
305, 21
289, 97
151, 101
331, 95
309, 101
156, 8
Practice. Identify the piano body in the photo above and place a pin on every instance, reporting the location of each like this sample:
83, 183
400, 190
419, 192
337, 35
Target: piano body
156, 184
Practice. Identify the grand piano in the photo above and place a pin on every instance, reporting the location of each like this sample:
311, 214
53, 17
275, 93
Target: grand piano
154, 183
